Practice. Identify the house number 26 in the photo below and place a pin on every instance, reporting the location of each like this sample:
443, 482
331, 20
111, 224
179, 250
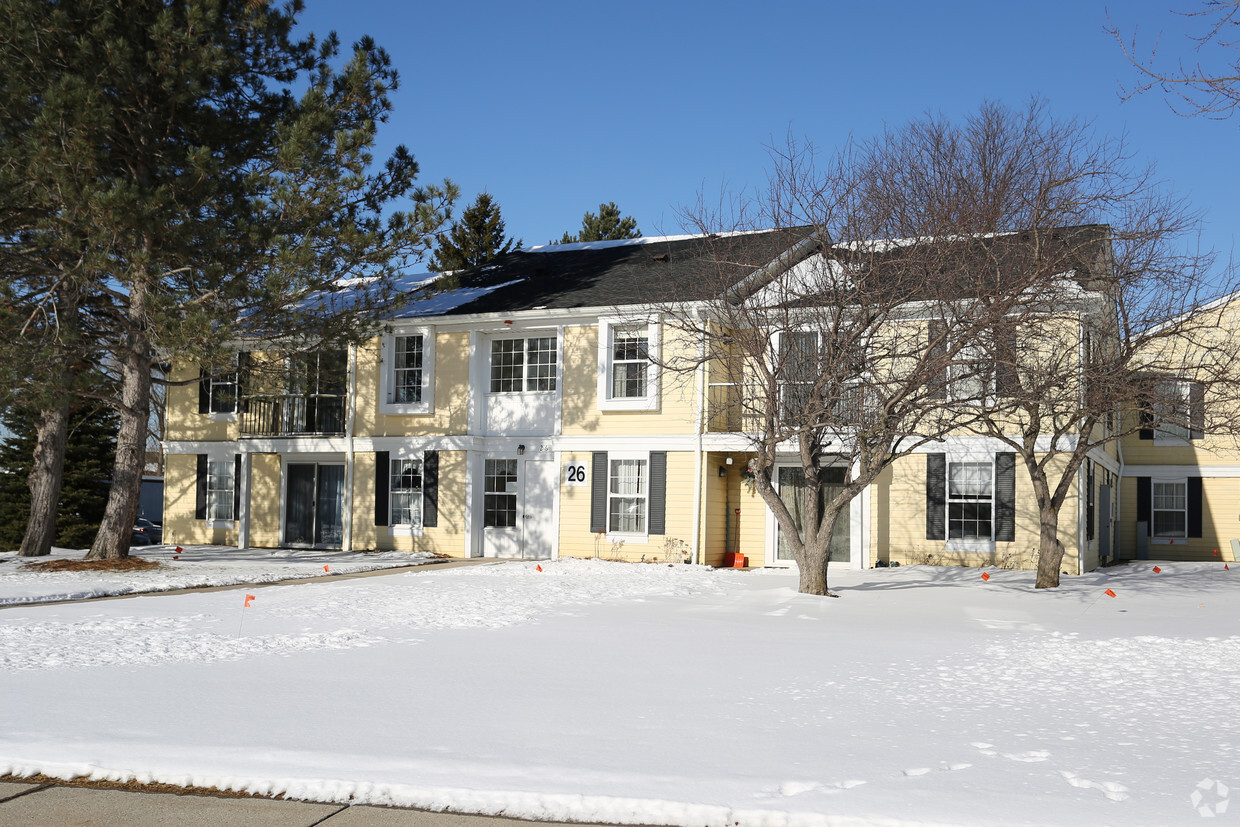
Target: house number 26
575, 474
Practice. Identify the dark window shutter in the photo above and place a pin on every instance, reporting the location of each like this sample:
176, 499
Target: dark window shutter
1007, 382
383, 467
243, 378
236, 486
938, 349
658, 492
1145, 503
598, 491
430, 489
1194, 506
936, 496
1196, 412
1005, 497
204, 392
200, 494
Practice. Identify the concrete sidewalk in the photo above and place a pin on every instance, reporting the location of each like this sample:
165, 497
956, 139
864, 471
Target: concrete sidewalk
35, 805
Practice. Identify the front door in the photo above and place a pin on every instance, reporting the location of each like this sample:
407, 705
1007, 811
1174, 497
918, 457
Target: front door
314, 505
518, 504
791, 481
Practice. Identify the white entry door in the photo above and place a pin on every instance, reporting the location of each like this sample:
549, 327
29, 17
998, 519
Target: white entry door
518, 508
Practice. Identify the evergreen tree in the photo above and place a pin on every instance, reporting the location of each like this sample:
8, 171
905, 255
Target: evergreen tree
90, 446
606, 226
476, 239
194, 174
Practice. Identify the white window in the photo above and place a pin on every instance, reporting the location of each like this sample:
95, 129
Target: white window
499, 491
523, 365
220, 485
628, 379
970, 377
408, 372
627, 492
222, 392
970, 501
405, 491
1170, 508
1173, 411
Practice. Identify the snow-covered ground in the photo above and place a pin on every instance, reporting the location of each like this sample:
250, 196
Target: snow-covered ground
194, 566
650, 694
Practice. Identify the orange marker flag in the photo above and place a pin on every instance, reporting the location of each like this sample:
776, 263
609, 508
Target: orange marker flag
985, 575
1216, 552
248, 598
539, 566
1109, 592
325, 568
1157, 570
179, 549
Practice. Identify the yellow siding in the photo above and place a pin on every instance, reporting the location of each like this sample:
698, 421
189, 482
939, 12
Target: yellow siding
451, 404
183, 420
1220, 505
720, 497
751, 524
581, 415
898, 503
265, 500
447, 538
180, 497
576, 539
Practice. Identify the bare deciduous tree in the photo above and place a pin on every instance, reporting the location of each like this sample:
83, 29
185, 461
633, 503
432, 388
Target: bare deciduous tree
1209, 85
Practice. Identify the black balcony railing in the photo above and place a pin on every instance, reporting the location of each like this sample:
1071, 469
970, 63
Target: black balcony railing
293, 415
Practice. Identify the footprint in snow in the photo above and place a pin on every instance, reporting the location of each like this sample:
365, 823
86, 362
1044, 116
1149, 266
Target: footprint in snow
778, 612
913, 773
1111, 789
956, 767
1030, 757
984, 748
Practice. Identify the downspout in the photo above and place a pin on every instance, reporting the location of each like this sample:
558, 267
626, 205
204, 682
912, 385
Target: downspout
1117, 493
347, 540
697, 459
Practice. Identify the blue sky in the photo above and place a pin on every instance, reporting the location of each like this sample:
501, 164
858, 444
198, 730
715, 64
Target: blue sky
556, 107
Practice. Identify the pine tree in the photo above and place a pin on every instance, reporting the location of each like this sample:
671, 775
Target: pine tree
476, 239
606, 226
195, 174
90, 446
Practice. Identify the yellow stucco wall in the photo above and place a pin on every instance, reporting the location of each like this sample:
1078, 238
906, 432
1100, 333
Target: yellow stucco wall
180, 497
183, 422
451, 399
446, 538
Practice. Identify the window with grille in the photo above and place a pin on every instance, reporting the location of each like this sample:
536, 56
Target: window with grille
630, 356
220, 483
627, 496
519, 365
500, 493
405, 491
407, 369
970, 501
1170, 508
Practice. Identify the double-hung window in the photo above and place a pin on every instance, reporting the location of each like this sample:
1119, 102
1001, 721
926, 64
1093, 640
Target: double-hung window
799, 363
1169, 508
405, 491
1178, 410
523, 365
630, 360
408, 371
221, 482
628, 378
970, 501
970, 376
627, 494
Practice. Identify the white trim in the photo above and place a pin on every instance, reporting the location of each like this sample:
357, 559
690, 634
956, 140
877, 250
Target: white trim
1177, 471
606, 328
387, 366
630, 536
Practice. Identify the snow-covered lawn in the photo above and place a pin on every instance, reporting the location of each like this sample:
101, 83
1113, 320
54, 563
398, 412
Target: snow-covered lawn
194, 566
650, 694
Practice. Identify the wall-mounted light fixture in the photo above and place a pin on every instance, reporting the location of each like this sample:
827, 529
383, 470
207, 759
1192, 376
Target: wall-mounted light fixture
729, 459
520, 450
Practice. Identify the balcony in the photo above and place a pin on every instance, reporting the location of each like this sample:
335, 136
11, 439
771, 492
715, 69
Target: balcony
723, 407
293, 415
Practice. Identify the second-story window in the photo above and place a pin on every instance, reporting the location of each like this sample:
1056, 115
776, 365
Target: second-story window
521, 365
630, 355
407, 371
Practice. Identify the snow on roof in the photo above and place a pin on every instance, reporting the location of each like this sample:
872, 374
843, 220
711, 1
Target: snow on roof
445, 301
884, 245
625, 242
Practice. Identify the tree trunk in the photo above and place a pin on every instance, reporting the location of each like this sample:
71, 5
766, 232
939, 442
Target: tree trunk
45, 480
116, 530
1050, 550
813, 564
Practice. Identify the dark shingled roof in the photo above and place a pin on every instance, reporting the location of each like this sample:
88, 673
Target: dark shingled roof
607, 274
